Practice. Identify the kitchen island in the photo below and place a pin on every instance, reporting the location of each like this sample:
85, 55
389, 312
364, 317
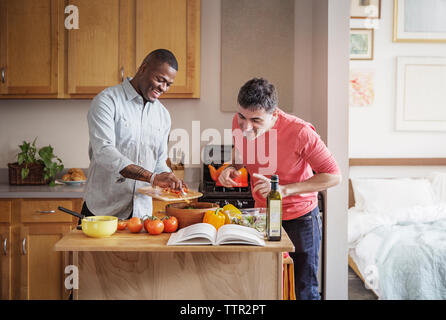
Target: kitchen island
142, 266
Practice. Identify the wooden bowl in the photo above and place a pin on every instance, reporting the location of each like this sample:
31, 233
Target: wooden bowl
186, 217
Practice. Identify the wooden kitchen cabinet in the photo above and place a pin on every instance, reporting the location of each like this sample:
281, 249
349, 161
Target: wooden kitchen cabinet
30, 268
40, 58
99, 52
29, 47
173, 25
5, 262
42, 268
5, 254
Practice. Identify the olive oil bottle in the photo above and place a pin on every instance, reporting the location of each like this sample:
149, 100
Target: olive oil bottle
274, 211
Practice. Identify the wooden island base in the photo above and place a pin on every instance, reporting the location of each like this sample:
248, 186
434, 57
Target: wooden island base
140, 266
179, 275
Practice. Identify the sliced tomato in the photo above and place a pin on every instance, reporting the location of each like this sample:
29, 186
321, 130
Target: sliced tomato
122, 224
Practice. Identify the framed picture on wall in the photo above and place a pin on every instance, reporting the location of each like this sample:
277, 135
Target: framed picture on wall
365, 9
419, 21
362, 87
421, 94
361, 44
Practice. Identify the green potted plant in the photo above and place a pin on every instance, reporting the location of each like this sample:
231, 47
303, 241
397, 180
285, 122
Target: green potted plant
34, 166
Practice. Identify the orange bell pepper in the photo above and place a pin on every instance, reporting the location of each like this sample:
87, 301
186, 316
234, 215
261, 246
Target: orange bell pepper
215, 218
215, 173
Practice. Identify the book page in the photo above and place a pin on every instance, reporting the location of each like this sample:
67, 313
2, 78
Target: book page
236, 234
196, 234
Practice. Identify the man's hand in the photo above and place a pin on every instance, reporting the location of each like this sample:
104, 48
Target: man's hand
263, 186
168, 180
227, 175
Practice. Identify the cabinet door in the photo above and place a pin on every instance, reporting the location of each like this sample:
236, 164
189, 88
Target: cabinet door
5, 262
42, 269
28, 47
98, 51
172, 25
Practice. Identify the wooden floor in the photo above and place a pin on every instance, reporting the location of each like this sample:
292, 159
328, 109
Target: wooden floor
356, 288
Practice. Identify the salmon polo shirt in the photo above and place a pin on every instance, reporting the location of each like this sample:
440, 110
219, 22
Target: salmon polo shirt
291, 149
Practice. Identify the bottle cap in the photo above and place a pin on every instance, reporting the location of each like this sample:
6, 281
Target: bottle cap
275, 178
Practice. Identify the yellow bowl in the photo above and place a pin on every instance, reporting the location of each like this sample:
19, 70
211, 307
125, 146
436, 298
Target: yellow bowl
99, 226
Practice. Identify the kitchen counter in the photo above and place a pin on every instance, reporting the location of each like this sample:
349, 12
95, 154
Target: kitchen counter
45, 191
125, 241
142, 266
41, 191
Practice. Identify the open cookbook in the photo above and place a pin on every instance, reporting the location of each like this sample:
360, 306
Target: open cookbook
206, 234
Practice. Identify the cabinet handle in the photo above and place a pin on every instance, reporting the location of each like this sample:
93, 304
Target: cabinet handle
5, 251
49, 211
24, 246
3, 75
122, 74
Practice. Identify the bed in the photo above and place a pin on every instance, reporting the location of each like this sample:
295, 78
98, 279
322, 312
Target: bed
397, 227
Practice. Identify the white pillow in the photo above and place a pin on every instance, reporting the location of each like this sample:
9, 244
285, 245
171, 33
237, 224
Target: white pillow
438, 182
389, 194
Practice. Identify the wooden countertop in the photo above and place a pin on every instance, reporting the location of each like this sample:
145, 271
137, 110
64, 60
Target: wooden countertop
125, 241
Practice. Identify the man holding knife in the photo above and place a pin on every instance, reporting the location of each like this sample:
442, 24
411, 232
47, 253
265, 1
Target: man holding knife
295, 151
128, 129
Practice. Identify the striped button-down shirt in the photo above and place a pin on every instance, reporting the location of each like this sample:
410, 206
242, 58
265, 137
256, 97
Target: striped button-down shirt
124, 131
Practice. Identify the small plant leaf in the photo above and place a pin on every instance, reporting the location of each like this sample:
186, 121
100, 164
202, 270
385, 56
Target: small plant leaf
20, 158
28, 155
52, 164
25, 172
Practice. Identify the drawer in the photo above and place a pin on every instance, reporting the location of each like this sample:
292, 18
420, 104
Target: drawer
46, 210
5, 210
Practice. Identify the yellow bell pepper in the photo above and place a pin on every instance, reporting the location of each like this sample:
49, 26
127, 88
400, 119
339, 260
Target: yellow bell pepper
230, 211
215, 218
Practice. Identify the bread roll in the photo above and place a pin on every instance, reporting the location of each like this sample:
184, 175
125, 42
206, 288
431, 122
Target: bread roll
73, 170
76, 176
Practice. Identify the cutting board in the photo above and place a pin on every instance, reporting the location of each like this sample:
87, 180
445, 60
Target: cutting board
157, 193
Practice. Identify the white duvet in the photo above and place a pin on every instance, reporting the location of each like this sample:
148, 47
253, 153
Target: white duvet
401, 253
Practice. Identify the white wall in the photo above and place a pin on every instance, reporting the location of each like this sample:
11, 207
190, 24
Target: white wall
372, 129
62, 123
318, 96
330, 60
303, 59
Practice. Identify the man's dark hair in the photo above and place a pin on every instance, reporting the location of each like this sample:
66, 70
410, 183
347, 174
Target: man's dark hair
160, 56
256, 94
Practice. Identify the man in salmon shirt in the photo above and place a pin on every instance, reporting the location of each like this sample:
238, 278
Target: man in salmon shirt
269, 141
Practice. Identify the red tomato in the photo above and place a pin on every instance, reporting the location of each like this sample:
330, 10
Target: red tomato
155, 226
122, 224
170, 224
146, 223
134, 225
